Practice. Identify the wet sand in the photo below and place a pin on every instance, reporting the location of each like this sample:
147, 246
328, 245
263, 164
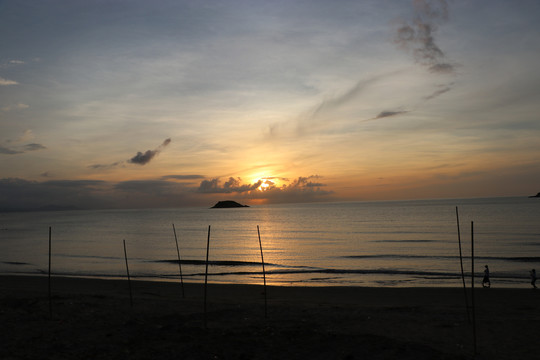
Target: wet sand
93, 319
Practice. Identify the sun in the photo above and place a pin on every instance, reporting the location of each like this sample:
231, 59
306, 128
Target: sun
266, 184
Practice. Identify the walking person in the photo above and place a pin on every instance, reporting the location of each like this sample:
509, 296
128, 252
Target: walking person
533, 278
486, 282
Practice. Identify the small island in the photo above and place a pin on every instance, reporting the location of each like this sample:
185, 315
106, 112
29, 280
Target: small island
227, 204
535, 196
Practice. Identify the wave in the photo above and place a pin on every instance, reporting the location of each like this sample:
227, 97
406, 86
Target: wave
15, 263
317, 274
433, 275
403, 241
445, 257
214, 262
229, 263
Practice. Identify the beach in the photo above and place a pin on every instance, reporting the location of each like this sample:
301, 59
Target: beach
93, 318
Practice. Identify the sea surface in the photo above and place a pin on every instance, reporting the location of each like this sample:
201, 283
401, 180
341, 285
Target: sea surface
381, 244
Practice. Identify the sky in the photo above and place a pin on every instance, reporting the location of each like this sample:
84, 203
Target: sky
135, 104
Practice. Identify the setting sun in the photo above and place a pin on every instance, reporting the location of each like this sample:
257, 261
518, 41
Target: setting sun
266, 184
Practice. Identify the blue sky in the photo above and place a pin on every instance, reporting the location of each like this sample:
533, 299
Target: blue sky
181, 103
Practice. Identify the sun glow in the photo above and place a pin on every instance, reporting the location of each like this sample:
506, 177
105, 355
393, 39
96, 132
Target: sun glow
266, 184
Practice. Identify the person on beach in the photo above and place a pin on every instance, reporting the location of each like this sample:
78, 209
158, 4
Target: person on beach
485, 281
533, 278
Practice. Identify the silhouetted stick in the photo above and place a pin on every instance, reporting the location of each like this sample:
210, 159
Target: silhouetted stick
50, 294
206, 274
462, 272
264, 274
129, 279
179, 263
472, 287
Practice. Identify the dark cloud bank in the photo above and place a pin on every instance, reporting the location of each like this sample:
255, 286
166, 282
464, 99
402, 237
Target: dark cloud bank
169, 191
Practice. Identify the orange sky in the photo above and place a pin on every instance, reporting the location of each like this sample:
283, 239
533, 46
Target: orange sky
113, 105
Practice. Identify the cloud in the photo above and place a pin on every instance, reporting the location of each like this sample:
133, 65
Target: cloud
106, 166
325, 113
298, 190
18, 106
301, 189
26, 136
418, 35
7, 151
140, 158
305, 182
20, 194
438, 93
329, 105
6, 82
384, 114
144, 158
21, 149
230, 186
13, 62
155, 187
182, 177
33, 147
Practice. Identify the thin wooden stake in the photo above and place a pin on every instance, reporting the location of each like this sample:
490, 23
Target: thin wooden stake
462, 272
50, 294
129, 279
472, 287
264, 274
206, 275
179, 262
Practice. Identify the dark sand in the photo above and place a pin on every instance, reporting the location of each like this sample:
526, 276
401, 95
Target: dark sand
92, 319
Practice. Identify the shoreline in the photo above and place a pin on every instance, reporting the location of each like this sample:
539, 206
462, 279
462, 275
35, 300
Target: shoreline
523, 284
92, 318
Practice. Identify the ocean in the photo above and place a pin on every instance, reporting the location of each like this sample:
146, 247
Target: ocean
381, 244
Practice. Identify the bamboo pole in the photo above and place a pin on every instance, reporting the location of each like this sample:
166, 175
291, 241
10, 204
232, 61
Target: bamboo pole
49, 282
206, 276
472, 287
129, 279
462, 272
179, 262
264, 275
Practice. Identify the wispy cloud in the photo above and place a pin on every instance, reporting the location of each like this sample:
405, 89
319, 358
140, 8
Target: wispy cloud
182, 177
327, 112
139, 159
17, 146
6, 82
13, 62
146, 157
18, 106
33, 147
418, 35
385, 114
7, 151
21, 149
439, 92
106, 166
